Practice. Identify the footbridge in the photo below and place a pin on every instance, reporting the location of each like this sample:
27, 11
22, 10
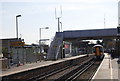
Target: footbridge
90, 34
55, 52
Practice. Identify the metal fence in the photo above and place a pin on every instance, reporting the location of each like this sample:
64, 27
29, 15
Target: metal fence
25, 55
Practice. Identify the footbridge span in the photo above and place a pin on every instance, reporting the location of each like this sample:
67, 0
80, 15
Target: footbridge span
55, 51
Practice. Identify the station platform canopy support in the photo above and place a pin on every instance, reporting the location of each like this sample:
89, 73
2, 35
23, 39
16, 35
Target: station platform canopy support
118, 44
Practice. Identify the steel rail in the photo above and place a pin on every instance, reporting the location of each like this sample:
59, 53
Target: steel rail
69, 75
92, 68
39, 77
72, 78
46, 75
80, 72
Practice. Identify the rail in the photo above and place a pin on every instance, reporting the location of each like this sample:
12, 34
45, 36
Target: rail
54, 72
71, 75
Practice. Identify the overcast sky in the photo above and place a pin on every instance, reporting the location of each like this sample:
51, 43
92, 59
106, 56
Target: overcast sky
76, 15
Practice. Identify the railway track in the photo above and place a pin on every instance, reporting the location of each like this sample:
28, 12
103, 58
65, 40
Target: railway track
66, 74
83, 72
68, 71
88, 72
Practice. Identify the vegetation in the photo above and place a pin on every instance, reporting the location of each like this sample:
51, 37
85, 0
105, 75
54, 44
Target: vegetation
5, 52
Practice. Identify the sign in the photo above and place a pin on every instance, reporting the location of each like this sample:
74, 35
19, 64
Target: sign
17, 43
66, 46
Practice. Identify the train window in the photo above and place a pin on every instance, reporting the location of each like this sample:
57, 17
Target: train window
94, 50
101, 49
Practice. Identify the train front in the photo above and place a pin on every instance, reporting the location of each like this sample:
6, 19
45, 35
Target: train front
98, 51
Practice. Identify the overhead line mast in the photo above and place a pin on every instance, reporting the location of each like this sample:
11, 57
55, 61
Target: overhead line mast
58, 19
104, 21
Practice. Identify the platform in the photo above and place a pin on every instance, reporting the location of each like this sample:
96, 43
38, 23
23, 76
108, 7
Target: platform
108, 70
31, 66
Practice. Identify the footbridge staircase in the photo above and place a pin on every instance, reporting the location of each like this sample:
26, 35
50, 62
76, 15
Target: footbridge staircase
55, 51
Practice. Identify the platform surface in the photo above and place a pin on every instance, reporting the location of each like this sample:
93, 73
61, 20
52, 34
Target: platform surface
31, 66
108, 70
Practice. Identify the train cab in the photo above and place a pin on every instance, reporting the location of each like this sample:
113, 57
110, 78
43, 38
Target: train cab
98, 52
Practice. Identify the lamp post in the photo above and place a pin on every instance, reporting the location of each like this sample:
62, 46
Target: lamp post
17, 36
17, 25
40, 37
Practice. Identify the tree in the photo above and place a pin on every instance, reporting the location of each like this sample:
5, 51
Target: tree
5, 52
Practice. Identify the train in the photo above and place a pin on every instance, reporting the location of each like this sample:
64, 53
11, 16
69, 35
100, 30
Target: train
98, 52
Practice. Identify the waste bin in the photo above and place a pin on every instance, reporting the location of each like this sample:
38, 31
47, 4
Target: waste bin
3, 63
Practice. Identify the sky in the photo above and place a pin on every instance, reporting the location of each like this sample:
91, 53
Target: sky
36, 14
